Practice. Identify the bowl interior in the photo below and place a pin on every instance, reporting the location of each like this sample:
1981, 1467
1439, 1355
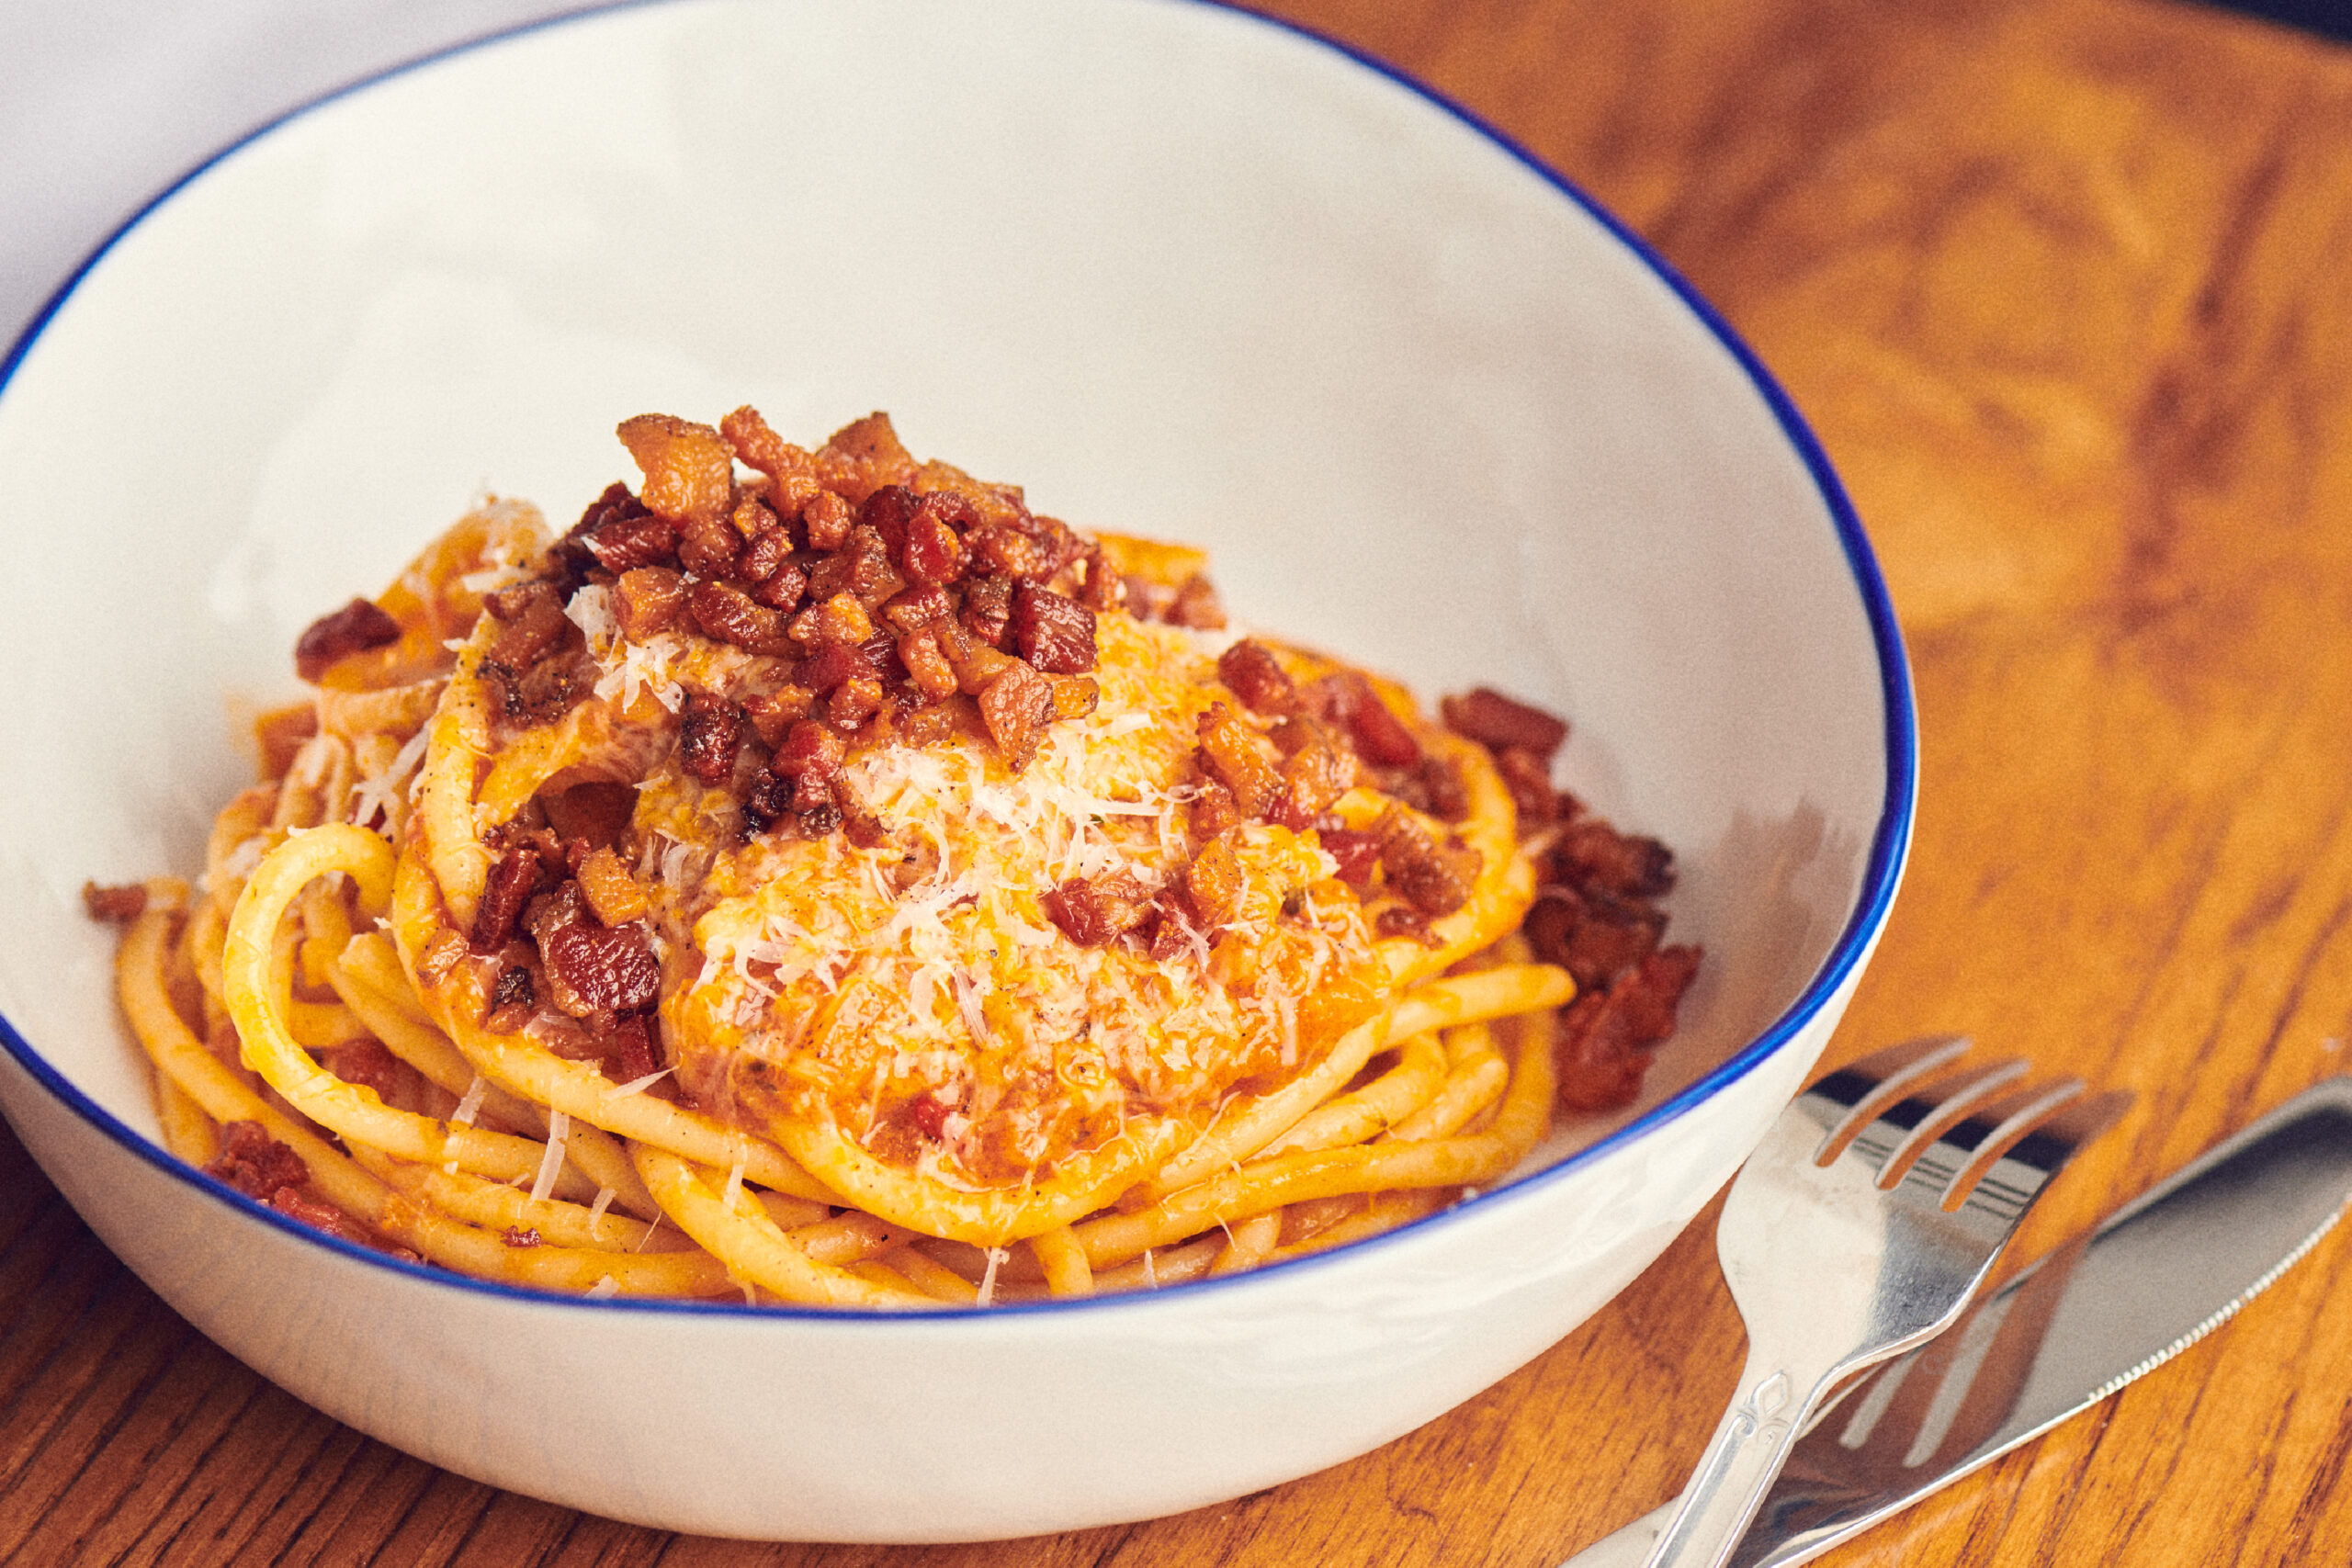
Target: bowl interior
1177, 271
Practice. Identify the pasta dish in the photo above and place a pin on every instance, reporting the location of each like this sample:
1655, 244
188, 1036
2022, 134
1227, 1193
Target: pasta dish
818, 877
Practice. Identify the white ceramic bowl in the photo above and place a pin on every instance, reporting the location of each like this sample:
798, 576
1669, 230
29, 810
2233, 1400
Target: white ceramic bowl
1181, 273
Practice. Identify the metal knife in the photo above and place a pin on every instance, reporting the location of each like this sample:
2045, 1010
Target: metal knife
2067, 1331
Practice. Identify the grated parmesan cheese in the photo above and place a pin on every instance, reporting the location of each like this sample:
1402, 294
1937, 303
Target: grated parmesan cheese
635, 1086
551, 1162
996, 1256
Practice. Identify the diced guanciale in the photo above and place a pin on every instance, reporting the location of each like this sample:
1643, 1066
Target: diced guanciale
126, 901
1016, 707
595, 967
503, 898
1214, 884
1053, 632
1239, 758
934, 553
810, 749
1607, 1036
1496, 721
1313, 777
648, 600
358, 627
728, 615
531, 620
1380, 738
1357, 852
255, 1162
709, 732
624, 544
1091, 913
1436, 878
1592, 854
610, 890
1251, 672
689, 469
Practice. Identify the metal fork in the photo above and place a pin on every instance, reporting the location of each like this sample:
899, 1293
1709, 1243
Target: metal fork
1871, 1213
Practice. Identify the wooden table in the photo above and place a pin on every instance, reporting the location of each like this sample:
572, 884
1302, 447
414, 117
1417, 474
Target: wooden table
2065, 286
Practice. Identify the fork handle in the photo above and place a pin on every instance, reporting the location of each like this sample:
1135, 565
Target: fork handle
1751, 1445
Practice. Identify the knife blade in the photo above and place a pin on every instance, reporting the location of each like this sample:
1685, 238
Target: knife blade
2064, 1333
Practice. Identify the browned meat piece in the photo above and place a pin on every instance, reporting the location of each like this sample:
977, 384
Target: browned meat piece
631, 1056
838, 619
1005, 551
765, 548
1607, 1036
617, 502
255, 1162
532, 619
773, 716
595, 967
1591, 854
503, 898
1496, 721
1530, 783
648, 600
832, 665
1251, 672
689, 469
826, 520
357, 627
1214, 884
1347, 699
513, 998
987, 609
1075, 696
927, 666
1316, 775
710, 733
1196, 605
1099, 588
1435, 878
296, 1205
1168, 927
1016, 707
366, 1062
1054, 632
810, 749
728, 615
1237, 757
1358, 853
708, 547
624, 544
854, 701
1593, 936
1091, 913
123, 901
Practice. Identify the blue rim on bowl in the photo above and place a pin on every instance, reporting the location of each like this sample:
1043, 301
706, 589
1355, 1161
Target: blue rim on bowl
1880, 877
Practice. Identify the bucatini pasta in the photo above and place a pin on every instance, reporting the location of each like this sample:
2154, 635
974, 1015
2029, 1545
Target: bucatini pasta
817, 877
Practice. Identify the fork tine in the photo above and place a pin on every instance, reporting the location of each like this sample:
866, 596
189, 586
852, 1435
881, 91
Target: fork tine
1845, 1098
1917, 1124
2030, 1145
1989, 1131
1910, 1132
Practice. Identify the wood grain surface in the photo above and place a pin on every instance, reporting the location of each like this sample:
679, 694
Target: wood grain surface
2065, 288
